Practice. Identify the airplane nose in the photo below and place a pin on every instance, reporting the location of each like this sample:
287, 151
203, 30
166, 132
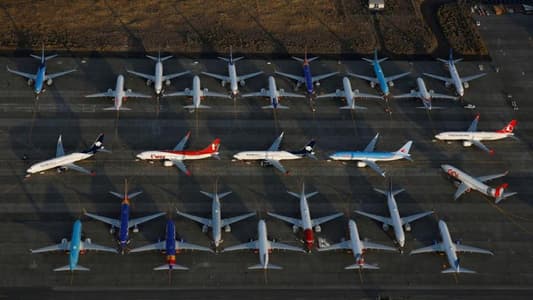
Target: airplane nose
438, 136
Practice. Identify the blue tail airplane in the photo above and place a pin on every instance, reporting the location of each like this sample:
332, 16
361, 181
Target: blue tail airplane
40, 77
124, 223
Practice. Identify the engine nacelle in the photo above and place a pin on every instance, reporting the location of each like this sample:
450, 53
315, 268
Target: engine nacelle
318, 229
407, 227
447, 84
109, 90
242, 82
317, 83
205, 228
295, 228
263, 91
64, 241
206, 90
129, 90
414, 91
168, 163
282, 91
148, 82
187, 90
227, 228
112, 230
430, 91
87, 241
467, 143
391, 84
223, 83
361, 164
30, 81
135, 229
372, 84
167, 82
265, 163
385, 227
466, 85
49, 81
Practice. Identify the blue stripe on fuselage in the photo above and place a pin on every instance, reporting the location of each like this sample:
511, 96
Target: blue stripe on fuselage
39, 79
123, 230
362, 155
381, 77
308, 78
170, 243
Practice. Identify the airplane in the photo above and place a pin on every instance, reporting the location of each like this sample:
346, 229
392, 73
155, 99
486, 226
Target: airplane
459, 83
119, 95
176, 156
468, 183
74, 248
64, 161
158, 78
398, 223
349, 95
272, 156
232, 77
307, 79
305, 222
124, 223
170, 246
425, 95
197, 94
38, 79
473, 137
216, 222
264, 246
451, 249
357, 247
274, 94
380, 79
369, 157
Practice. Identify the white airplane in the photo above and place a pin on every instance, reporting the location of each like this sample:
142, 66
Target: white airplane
368, 157
349, 95
272, 156
232, 77
158, 78
119, 95
274, 94
64, 161
357, 247
468, 183
473, 137
264, 246
197, 94
451, 249
398, 223
216, 222
305, 222
459, 83
425, 95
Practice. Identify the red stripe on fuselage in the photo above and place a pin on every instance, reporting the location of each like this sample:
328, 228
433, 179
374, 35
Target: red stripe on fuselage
309, 238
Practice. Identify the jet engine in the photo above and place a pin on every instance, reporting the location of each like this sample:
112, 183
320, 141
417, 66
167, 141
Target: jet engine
49, 81
361, 164
295, 228
317, 83
407, 227
263, 91
167, 82
30, 81
265, 163
223, 83
391, 84
135, 229
187, 90
128, 90
168, 163
205, 228
318, 229
467, 143
227, 228
148, 82
206, 90
447, 84
385, 227
109, 90
112, 230
466, 85
64, 241
372, 84
281, 91
87, 241
242, 82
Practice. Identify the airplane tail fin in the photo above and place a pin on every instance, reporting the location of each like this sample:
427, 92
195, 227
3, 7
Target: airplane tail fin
159, 58
404, 150
361, 266
170, 267
307, 150
98, 145
265, 267
67, 268
230, 59
212, 148
500, 194
508, 128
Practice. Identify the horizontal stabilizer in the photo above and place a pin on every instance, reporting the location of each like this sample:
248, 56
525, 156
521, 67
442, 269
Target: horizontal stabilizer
196, 106
261, 267
272, 107
171, 267
117, 108
67, 268
458, 270
361, 266
353, 107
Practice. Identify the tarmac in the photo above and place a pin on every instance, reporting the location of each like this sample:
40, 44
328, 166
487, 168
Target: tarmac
39, 211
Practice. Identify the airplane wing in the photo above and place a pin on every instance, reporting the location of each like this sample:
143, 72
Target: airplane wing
25, 75
415, 217
442, 96
374, 167
180, 165
338, 246
155, 246
182, 142
281, 246
187, 93
75, 167
188, 246
470, 78
481, 146
473, 125
324, 76
413, 94
293, 221
445, 79
219, 95
277, 165
370, 147
460, 190
438, 247
491, 177
137, 221
56, 247
365, 95
142, 75
248, 76
55, 75
287, 94
294, 77
381, 219
276, 143
135, 95
375, 246
246, 246
465, 248
203, 221
174, 75
256, 94
95, 247
229, 221
112, 222
367, 78
394, 77
325, 219
104, 94
219, 77
60, 151
331, 95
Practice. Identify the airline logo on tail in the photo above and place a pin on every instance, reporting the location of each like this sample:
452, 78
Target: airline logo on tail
509, 128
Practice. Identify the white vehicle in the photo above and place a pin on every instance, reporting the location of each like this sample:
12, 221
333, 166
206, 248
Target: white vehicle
451, 249
158, 78
119, 95
64, 161
232, 77
264, 246
305, 222
459, 83
357, 247
425, 95
398, 223
473, 137
197, 94
273, 94
349, 95
272, 156
468, 183
216, 222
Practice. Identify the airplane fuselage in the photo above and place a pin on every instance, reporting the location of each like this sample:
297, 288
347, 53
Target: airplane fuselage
348, 92
75, 244
58, 162
233, 78
123, 234
263, 244
158, 76
307, 225
355, 243
273, 92
266, 155
423, 93
216, 221
197, 93
396, 219
308, 77
170, 244
470, 181
381, 78
175, 155
448, 245
39, 79
469, 135
361, 155
459, 88
119, 92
